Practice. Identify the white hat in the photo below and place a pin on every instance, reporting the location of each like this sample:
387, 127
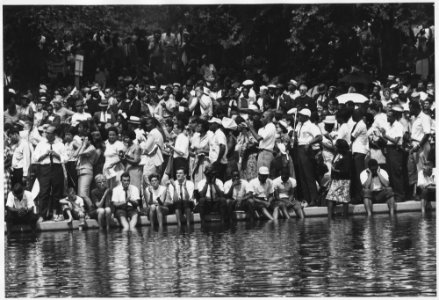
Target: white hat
390, 77
283, 124
42, 91
292, 111
397, 108
176, 84
134, 120
248, 82
305, 112
405, 106
393, 86
293, 82
330, 119
94, 88
263, 87
43, 87
12, 91
253, 107
423, 96
264, 171
377, 83
272, 86
215, 120
229, 123
393, 96
163, 87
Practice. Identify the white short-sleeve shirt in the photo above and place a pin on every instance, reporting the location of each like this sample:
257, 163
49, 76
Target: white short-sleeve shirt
306, 132
219, 138
376, 183
26, 202
238, 191
284, 187
268, 134
421, 126
261, 190
202, 183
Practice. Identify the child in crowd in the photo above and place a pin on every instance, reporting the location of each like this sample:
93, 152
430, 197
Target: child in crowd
73, 206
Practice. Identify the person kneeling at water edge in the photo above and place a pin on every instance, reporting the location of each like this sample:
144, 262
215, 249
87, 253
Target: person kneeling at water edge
376, 187
239, 195
73, 206
20, 207
182, 192
125, 199
284, 187
262, 188
211, 192
155, 197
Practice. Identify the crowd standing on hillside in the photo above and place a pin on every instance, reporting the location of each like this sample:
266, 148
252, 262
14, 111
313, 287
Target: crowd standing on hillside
210, 145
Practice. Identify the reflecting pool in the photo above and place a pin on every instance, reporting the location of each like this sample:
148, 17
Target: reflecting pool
356, 256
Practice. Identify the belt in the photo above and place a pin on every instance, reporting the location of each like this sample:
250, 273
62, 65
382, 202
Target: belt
48, 165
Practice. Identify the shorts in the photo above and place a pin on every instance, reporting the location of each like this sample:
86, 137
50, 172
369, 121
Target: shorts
378, 196
428, 194
164, 208
295, 204
75, 212
127, 212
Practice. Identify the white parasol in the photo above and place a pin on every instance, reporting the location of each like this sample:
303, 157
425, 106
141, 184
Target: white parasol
354, 97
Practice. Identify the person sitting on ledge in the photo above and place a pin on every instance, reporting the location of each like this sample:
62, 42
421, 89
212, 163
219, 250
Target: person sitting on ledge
211, 192
126, 198
73, 206
155, 198
427, 186
262, 188
238, 195
101, 198
375, 182
284, 186
20, 208
182, 193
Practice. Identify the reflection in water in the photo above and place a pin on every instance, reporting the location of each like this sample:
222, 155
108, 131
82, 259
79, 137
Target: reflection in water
356, 256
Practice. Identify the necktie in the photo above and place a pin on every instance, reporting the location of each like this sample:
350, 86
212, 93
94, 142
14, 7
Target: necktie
126, 195
181, 192
353, 128
211, 192
51, 155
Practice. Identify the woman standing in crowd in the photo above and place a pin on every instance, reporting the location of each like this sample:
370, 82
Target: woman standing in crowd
113, 167
339, 190
200, 150
131, 159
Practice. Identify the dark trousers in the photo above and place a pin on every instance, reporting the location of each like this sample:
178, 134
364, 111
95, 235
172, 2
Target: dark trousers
206, 206
72, 175
394, 160
51, 180
13, 218
16, 176
306, 174
220, 170
356, 187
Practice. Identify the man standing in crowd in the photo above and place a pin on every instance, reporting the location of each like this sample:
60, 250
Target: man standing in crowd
266, 137
21, 158
50, 153
218, 148
306, 135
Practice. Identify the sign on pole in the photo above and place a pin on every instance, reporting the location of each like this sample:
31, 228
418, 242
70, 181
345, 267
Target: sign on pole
79, 64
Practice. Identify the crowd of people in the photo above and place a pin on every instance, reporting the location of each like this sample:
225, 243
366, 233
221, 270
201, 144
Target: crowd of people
209, 146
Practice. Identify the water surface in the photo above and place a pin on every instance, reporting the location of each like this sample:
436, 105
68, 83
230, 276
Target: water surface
357, 256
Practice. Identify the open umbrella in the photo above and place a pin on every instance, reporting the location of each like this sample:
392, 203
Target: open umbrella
354, 97
357, 77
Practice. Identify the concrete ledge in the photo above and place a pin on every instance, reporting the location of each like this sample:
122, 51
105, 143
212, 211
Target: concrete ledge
171, 219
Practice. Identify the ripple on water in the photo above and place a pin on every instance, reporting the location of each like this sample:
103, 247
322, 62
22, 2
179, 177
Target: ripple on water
348, 257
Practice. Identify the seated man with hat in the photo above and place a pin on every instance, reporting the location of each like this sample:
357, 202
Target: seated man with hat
262, 188
211, 195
